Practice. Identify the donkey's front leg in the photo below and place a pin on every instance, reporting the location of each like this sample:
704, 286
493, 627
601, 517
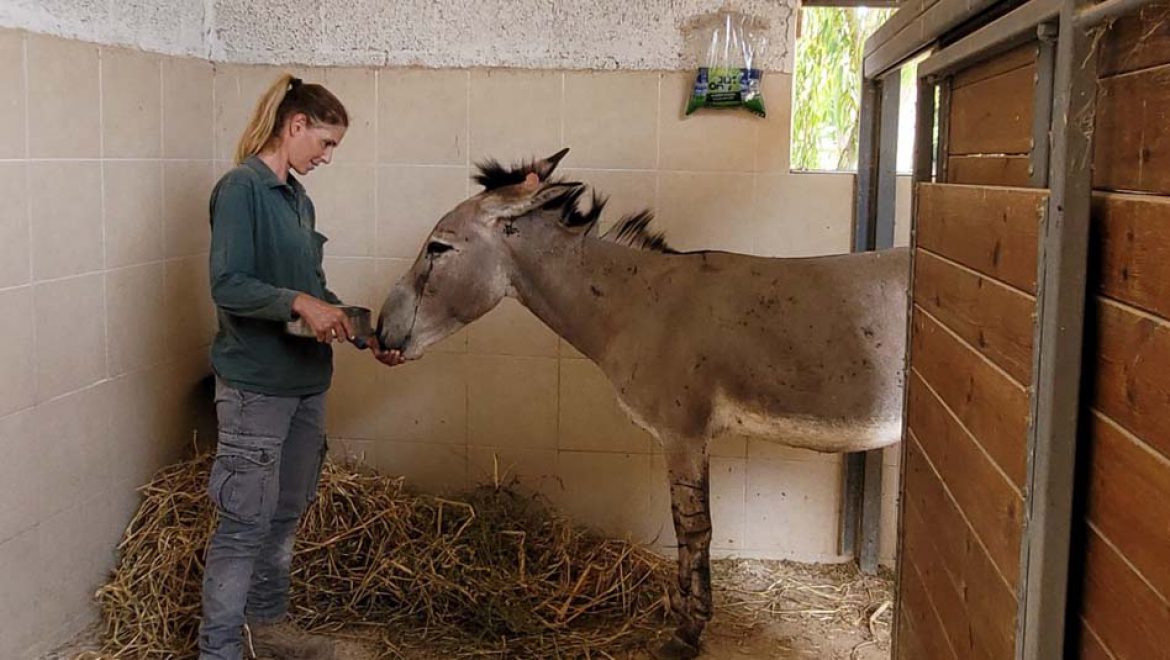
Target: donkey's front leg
686, 463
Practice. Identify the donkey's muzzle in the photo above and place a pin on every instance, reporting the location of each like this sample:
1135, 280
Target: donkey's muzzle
395, 322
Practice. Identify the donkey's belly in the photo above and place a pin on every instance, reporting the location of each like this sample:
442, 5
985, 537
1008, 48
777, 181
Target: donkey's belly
804, 431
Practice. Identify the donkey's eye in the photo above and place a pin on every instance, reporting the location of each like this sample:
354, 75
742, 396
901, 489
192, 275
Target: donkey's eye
435, 248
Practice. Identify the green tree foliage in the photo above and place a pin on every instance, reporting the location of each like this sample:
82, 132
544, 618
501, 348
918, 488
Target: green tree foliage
828, 85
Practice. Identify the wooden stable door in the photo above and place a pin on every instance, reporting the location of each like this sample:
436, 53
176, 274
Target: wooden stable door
973, 319
979, 229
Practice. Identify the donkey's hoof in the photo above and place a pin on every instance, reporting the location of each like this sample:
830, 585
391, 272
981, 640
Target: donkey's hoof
677, 649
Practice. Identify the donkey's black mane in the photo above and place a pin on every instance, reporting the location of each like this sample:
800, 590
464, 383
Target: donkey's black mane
493, 175
633, 230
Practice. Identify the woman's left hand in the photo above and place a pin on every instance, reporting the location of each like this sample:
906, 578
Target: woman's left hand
391, 358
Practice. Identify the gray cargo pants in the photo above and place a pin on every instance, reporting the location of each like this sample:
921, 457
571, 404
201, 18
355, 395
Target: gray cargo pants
267, 463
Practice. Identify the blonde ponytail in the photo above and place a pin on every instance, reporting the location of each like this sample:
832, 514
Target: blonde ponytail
263, 123
288, 95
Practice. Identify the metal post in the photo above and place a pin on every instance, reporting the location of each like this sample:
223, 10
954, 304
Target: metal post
887, 162
924, 147
867, 157
871, 512
864, 228
942, 162
851, 487
1042, 105
1053, 433
881, 237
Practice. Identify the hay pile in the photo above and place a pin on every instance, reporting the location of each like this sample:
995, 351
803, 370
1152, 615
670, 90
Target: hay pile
492, 573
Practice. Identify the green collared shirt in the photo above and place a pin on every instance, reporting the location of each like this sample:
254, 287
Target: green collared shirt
264, 251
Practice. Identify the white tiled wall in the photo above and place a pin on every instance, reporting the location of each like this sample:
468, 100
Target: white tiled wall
104, 175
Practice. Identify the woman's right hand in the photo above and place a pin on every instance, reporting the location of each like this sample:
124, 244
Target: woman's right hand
329, 322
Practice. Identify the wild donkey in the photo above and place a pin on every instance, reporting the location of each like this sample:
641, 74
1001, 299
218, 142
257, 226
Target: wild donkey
804, 352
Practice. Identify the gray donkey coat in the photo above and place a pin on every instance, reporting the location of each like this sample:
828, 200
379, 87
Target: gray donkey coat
805, 352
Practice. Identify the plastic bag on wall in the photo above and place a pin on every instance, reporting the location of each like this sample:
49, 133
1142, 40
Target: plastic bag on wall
730, 77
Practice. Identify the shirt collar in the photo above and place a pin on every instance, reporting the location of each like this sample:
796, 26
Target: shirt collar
269, 177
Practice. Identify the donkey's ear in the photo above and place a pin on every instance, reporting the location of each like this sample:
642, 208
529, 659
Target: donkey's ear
529, 196
545, 167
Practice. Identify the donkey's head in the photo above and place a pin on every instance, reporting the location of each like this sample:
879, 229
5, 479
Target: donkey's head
465, 266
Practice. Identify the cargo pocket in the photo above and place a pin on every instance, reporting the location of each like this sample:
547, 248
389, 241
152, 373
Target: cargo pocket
239, 481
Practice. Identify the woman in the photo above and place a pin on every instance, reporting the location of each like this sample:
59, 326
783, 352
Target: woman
266, 270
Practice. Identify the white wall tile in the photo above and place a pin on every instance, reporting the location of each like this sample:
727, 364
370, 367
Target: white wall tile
792, 508
14, 223
21, 472
512, 401
428, 468
70, 321
510, 329
18, 350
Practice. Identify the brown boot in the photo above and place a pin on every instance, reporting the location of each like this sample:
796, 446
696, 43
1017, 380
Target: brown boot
284, 640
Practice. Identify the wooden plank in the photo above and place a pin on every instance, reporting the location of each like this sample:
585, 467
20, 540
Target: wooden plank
1088, 645
1131, 145
906, 644
1129, 500
1117, 135
996, 319
850, 3
1007, 27
1130, 619
908, 10
1137, 41
989, 170
922, 617
1132, 384
981, 620
991, 230
1011, 60
940, 576
992, 407
1132, 237
994, 116
881, 54
989, 501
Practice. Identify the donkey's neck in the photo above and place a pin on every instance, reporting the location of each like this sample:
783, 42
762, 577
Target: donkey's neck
579, 288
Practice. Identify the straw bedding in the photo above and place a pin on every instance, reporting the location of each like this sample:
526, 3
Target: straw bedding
493, 572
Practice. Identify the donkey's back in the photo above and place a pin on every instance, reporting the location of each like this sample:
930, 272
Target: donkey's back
807, 352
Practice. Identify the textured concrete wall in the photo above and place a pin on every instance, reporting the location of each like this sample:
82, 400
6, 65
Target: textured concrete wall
541, 34
177, 27
603, 34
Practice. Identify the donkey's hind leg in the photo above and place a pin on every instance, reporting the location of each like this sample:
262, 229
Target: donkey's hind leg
687, 470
